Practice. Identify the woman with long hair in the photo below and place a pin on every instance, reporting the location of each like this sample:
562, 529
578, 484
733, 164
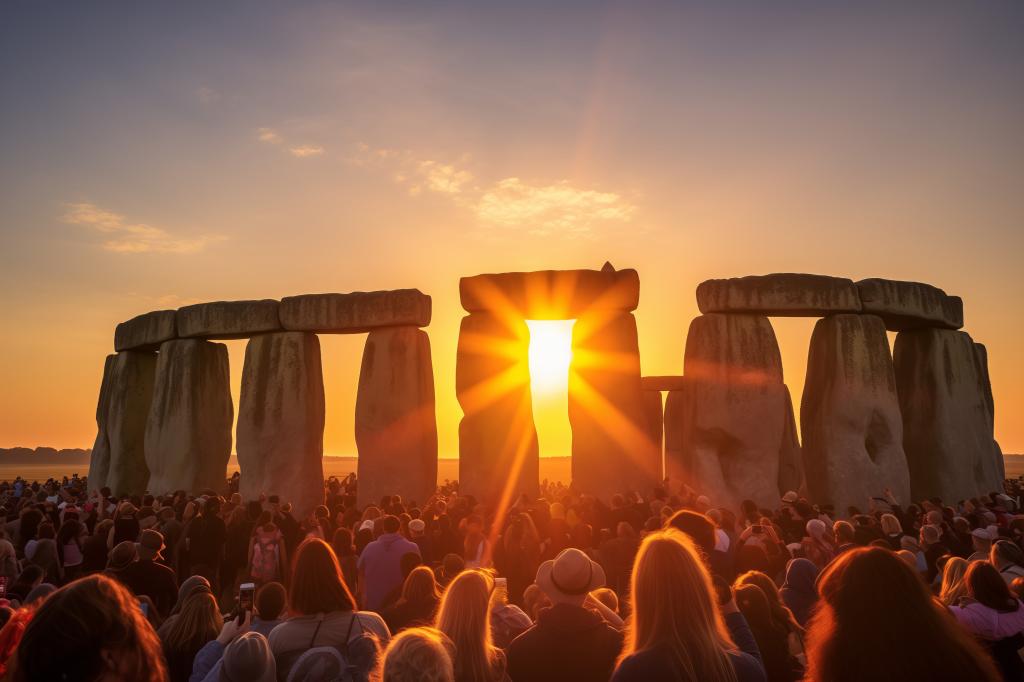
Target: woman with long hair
877, 621
323, 614
994, 615
780, 613
953, 585
418, 655
464, 616
91, 629
418, 603
772, 638
198, 623
677, 630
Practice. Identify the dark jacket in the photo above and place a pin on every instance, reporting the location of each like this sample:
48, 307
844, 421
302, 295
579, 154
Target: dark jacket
154, 580
566, 643
655, 664
798, 592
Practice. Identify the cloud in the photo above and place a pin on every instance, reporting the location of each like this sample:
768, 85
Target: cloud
268, 135
548, 209
511, 203
123, 236
306, 150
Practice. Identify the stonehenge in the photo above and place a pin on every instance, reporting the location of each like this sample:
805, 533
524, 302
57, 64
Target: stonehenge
850, 415
281, 416
918, 420
188, 431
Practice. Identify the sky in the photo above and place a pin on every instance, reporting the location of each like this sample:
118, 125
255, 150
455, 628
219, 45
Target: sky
156, 155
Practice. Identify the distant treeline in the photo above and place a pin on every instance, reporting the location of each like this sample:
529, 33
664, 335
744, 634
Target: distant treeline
44, 456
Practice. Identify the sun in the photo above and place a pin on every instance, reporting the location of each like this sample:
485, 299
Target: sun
550, 354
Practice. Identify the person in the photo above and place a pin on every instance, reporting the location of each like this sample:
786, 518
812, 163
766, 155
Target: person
519, 555
772, 639
893, 530
981, 543
8, 558
781, 616
237, 539
380, 564
953, 586
344, 548
324, 614
873, 602
28, 580
418, 603
418, 655
268, 555
192, 585
464, 616
617, 554
148, 577
42, 551
678, 631
237, 653
90, 629
269, 603
205, 542
94, 548
1008, 558
798, 591
69, 547
568, 640
126, 525
198, 622
993, 614
818, 545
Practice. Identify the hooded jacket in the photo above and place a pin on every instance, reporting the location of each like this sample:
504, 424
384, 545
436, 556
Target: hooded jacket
798, 591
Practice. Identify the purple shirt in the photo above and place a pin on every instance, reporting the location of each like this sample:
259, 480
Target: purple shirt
381, 567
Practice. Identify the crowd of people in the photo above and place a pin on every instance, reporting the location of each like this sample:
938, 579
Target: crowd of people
663, 586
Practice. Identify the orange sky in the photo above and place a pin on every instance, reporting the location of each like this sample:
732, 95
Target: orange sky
156, 158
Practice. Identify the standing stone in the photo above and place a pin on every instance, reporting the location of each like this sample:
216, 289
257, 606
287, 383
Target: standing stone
281, 420
791, 463
188, 434
655, 421
396, 427
498, 452
946, 416
850, 415
981, 358
612, 451
131, 391
726, 430
99, 459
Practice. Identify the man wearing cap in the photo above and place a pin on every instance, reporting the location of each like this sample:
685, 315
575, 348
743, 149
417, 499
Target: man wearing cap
569, 641
418, 534
147, 577
981, 542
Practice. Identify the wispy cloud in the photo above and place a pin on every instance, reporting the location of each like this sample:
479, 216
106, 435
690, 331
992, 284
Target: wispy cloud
207, 95
306, 150
123, 236
512, 203
268, 135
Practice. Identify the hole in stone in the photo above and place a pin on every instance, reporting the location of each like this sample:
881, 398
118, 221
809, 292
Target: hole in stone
549, 357
877, 436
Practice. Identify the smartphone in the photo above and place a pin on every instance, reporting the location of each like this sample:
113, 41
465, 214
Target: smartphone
501, 589
144, 607
757, 529
246, 597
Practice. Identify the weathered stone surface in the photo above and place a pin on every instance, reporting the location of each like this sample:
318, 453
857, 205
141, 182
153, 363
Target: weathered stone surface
909, 305
228, 319
791, 463
396, 427
551, 294
188, 433
780, 294
726, 430
611, 448
356, 312
498, 452
99, 458
981, 358
946, 424
131, 391
145, 332
281, 420
655, 422
850, 415
662, 383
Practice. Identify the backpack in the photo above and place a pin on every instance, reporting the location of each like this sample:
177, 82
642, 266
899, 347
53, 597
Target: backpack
352, 661
265, 555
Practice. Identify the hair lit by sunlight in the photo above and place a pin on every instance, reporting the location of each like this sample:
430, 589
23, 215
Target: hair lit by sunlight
550, 354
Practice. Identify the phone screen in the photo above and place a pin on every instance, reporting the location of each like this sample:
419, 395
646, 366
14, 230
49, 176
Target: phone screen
246, 596
501, 588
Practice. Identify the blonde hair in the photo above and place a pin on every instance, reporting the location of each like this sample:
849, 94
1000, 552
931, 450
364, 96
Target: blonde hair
418, 655
953, 585
464, 616
674, 608
420, 585
197, 623
891, 525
